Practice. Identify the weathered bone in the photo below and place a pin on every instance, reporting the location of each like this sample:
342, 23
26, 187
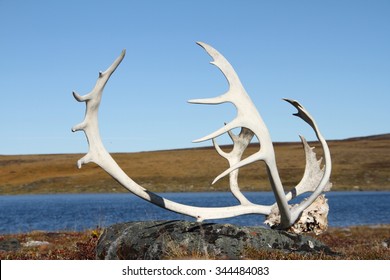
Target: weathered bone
313, 219
99, 155
311, 177
240, 142
248, 116
324, 182
251, 123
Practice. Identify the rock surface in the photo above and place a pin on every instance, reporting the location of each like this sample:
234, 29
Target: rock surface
182, 239
11, 244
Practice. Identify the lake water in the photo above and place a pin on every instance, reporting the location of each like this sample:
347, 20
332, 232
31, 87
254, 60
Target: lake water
24, 213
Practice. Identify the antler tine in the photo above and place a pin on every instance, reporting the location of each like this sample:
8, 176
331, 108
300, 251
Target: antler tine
249, 117
324, 182
312, 174
235, 93
252, 158
78, 97
219, 150
240, 142
233, 124
215, 100
90, 123
221, 62
232, 136
302, 113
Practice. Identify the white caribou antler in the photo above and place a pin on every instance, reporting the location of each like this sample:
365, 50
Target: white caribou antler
251, 124
249, 117
240, 142
99, 155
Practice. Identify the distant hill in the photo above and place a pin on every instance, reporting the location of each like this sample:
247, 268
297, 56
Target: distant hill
385, 136
359, 163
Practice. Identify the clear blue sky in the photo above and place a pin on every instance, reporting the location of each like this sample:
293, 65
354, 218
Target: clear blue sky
332, 56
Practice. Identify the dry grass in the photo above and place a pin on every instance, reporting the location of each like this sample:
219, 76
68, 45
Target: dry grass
354, 243
62, 246
174, 251
361, 164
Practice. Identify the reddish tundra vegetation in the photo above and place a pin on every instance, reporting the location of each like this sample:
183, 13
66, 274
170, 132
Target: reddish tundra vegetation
354, 243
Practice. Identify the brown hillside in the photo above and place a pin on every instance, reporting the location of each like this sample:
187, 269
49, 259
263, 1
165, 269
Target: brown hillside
358, 164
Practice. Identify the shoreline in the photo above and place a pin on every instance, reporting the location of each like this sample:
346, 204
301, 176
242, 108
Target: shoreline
97, 228
125, 192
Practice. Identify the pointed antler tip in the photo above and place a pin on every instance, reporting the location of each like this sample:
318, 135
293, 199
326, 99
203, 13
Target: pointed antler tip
79, 126
291, 101
198, 101
215, 180
197, 140
78, 97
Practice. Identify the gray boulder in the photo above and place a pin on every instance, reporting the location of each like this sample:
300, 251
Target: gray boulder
11, 244
183, 239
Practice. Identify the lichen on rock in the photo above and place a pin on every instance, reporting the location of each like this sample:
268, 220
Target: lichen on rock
184, 239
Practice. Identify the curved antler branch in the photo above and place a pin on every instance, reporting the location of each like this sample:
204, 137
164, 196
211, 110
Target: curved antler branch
240, 142
324, 182
312, 175
99, 155
249, 117
90, 123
